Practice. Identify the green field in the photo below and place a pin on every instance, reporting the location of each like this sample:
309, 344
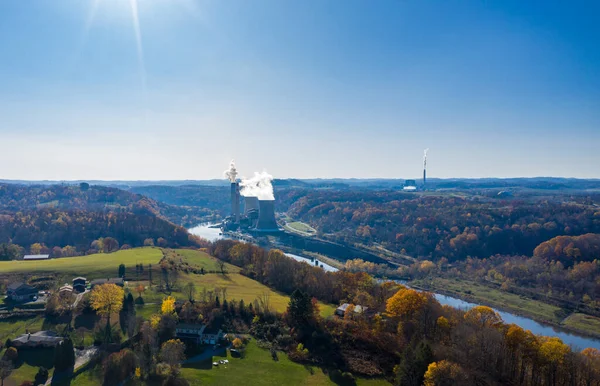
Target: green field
238, 286
582, 322
482, 294
258, 368
91, 266
12, 328
301, 227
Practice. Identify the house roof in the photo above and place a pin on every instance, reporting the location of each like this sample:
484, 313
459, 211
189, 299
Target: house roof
36, 257
66, 288
189, 326
357, 308
48, 337
80, 278
20, 286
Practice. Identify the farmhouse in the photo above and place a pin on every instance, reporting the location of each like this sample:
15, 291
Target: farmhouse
115, 280
79, 284
38, 340
198, 333
66, 289
20, 292
341, 310
36, 257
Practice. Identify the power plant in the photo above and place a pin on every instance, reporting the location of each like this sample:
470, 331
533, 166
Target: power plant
259, 203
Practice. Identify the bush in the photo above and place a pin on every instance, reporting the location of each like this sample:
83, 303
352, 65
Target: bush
11, 354
42, 376
119, 366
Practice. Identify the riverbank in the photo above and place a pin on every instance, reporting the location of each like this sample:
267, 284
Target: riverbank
540, 312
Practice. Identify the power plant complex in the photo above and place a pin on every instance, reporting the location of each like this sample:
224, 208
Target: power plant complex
259, 203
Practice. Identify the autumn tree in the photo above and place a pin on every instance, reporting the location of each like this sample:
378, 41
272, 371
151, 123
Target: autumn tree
444, 373
172, 352
107, 299
110, 245
168, 306
406, 303
482, 316
140, 288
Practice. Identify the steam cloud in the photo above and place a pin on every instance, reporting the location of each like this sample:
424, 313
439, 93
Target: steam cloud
231, 173
425, 158
258, 186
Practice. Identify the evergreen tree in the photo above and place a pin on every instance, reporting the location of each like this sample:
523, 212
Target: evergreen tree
122, 270
64, 355
217, 302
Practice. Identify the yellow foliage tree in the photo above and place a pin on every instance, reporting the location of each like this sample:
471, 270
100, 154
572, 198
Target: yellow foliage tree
154, 321
406, 303
483, 316
168, 305
443, 373
107, 299
554, 350
237, 343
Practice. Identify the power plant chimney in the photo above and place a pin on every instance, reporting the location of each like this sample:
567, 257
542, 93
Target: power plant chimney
425, 167
266, 216
235, 201
250, 203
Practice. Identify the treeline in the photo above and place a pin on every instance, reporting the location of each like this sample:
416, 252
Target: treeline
577, 286
400, 333
570, 249
73, 217
441, 226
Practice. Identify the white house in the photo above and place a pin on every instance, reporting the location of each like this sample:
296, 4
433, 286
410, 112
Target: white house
199, 333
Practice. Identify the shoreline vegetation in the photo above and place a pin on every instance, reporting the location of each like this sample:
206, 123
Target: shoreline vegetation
510, 307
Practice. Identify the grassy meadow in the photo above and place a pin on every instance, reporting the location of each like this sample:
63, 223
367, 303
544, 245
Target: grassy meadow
94, 266
584, 323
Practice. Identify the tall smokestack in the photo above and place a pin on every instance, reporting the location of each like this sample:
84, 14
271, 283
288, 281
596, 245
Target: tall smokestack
425, 166
235, 201
266, 216
231, 174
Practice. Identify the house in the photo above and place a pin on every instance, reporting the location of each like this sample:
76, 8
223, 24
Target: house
341, 310
79, 284
198, 333
66, 289
20, 292
41, 339
115, 280
36, 257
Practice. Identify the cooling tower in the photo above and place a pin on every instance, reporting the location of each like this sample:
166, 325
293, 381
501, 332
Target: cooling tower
266, 216
250, 203
235, 201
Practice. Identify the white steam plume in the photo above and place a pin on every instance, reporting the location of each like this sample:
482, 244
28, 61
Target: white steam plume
231, 173
425, 158
258, 186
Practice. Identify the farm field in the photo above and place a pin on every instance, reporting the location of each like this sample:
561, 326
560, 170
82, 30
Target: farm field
91, 266
238, 286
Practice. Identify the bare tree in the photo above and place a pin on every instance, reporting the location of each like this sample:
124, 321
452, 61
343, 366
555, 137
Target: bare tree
6, 368
222, 266
190, 291
265, 301
224, 292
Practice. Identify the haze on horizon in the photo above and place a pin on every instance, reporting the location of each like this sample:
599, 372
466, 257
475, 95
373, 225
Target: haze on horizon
174, 89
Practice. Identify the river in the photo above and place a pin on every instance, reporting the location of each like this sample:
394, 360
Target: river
576, 341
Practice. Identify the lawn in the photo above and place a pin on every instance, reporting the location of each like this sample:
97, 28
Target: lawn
582, 322
479, 293
91, 266
204, 260
13, 327
258, 368
302, 227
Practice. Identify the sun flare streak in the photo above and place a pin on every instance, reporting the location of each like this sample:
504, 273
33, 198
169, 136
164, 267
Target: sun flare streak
138, 42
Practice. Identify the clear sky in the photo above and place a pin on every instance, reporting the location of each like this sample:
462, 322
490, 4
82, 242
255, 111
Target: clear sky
173, 89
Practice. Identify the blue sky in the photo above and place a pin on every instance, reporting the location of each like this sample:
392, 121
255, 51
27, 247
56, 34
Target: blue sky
312, 88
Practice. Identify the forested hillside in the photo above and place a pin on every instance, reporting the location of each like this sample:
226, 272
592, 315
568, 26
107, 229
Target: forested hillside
76, 216
436, 226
